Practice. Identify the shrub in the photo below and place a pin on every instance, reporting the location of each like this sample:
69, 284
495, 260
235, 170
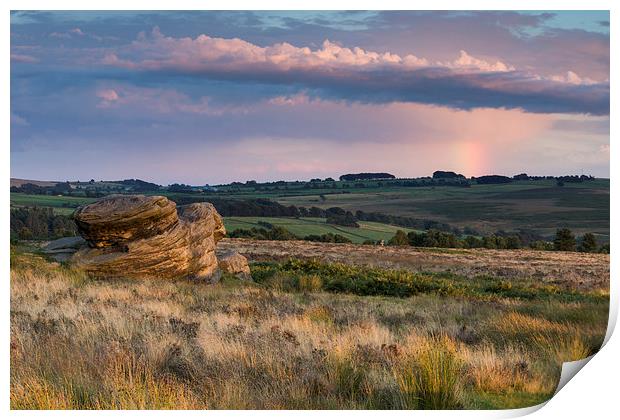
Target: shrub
564, 240
399, 239
280, 281
542, 246
310, 283
588, 243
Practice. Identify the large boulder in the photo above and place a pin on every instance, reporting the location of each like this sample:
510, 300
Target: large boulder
117, 219
147, 237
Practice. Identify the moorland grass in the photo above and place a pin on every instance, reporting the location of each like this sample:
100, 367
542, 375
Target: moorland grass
371, 281
287, 341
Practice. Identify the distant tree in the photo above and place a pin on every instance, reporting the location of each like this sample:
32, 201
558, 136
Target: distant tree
399, 239
501, 242
366, 176
328, 237
541, 245
279, 233
588, 243
513, 242
564, 240
342, 219
559, 183
437, 239
490, 242
316, 212
340, 239
493, 179
446, 174
472, 242
61, 188
416, 239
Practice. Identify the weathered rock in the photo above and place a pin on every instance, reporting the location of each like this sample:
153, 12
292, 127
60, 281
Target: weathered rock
117, 219
234, 263
145, 237
69, 242
62, 249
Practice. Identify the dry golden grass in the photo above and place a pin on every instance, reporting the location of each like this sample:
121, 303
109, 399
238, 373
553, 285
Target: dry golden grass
80, 343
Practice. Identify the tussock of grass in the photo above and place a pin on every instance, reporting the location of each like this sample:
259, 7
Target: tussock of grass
431, 378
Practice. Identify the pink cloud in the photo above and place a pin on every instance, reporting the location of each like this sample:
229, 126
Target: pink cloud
466, 61
292, 100
77, 31
23, 58
572, 78
356, 74
204, 53
156, 51
108, 95
159, 100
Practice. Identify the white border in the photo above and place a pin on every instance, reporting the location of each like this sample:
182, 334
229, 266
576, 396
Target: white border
593, 393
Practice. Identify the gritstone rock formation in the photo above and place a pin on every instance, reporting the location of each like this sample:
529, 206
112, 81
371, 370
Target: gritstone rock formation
140, 236
234, 263
62, 249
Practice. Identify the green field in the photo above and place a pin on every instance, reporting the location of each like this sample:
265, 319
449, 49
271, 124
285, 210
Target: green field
540, 205
316, 226
61, 204
300, 227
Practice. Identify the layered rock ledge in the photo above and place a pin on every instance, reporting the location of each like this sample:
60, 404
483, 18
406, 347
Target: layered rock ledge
139, 236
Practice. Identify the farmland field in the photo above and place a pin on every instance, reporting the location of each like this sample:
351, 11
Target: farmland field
304, 226
537, 205
60, 204
300, 227
540, 206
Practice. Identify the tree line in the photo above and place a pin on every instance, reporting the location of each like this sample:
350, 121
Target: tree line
88, 189
40, 223
564, 240
263, 207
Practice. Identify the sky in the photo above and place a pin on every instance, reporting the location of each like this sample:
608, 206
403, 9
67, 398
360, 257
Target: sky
214, 97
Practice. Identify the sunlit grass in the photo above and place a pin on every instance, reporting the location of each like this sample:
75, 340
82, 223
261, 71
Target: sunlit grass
283, 342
